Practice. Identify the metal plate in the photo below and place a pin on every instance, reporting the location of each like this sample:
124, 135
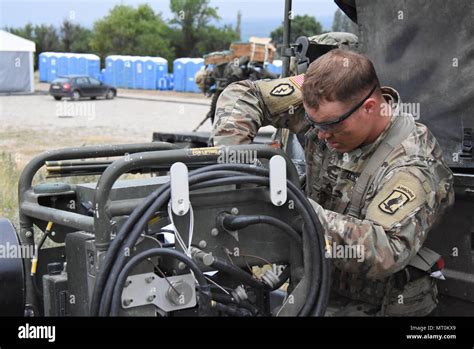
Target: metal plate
148, 288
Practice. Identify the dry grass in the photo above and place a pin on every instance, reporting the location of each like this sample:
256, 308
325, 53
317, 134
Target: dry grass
9, 174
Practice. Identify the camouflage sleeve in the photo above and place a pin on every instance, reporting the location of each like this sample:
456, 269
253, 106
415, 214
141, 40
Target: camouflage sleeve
245, 106
396, 224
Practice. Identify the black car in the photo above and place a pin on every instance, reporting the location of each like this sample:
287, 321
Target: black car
76, 87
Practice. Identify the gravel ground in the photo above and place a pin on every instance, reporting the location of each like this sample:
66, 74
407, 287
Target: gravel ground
30, 124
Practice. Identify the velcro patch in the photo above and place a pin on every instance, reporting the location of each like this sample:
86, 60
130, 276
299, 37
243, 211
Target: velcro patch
279, 95
397, 199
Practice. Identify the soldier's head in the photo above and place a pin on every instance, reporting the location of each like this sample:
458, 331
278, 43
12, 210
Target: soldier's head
343, 100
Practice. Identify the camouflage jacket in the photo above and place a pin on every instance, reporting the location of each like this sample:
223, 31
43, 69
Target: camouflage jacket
410, 192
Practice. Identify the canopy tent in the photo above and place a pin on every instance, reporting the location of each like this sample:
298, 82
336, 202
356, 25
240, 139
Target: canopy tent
16, 63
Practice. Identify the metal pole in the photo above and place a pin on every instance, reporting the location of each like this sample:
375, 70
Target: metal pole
286, 38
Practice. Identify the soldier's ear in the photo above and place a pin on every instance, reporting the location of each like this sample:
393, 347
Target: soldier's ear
369, 105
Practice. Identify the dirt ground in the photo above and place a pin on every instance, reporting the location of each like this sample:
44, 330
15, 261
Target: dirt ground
31, 124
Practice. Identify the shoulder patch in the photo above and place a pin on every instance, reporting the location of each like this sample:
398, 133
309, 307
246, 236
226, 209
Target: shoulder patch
283, 89
397, 199
279, 95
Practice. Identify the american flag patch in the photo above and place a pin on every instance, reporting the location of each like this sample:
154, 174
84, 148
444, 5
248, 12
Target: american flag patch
298, 80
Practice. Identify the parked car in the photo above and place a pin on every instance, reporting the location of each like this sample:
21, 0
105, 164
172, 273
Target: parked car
78, 86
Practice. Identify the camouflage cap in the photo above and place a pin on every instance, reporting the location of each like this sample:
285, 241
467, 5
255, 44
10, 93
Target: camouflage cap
323, 43
339, 39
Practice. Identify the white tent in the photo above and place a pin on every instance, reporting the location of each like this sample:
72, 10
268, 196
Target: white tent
16, 63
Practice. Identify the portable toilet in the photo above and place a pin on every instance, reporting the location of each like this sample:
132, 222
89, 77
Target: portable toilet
128, 71
161, 71
111, 70
63, 59
179, 73
73, 65
150, 69
52, 72
43, 66
192, 67
119, 71
101, 76
139, 72
93, 65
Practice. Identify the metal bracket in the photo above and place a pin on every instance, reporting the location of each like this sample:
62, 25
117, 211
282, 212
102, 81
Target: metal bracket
179, 189
278, 190
148, 288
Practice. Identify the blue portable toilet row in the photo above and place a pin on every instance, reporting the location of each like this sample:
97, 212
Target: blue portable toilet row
184, 70
135, 72
275, 67
54, 64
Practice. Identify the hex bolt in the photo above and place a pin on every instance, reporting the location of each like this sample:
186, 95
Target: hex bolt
234, 210
181, 212
127, 302
181, 266
214, 231
202, 244
28, 234
128, 282
150, 298
279, 192
149, 279
279, 203
180, 201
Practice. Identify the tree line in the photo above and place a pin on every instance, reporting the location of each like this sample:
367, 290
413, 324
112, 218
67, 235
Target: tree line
139, 31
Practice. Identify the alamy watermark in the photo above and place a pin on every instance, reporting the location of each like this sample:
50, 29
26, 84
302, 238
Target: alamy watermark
16, 251
345, 251
75, 109
241, 156
407, 108
37, 332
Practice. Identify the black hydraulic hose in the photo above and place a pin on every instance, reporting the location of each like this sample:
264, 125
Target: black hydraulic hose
136, 214
228, 299
314, 293
203, 289
237, 273
265, 182
285, 274
232, 310
101, 303
323, 291
232, 222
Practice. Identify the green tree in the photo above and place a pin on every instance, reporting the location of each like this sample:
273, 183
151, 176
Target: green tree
74, 37
27, 32
193, 35
131, 31
300, 26
46, 38
342, 23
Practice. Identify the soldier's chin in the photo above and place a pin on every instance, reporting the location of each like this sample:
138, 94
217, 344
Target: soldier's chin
337, 146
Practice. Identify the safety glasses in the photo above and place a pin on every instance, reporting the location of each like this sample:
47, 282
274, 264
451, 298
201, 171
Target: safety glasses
330, 125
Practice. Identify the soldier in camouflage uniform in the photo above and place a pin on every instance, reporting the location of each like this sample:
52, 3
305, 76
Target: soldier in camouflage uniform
375, 177
226, 73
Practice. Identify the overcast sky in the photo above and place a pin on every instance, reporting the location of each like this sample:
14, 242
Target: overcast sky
19, 12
